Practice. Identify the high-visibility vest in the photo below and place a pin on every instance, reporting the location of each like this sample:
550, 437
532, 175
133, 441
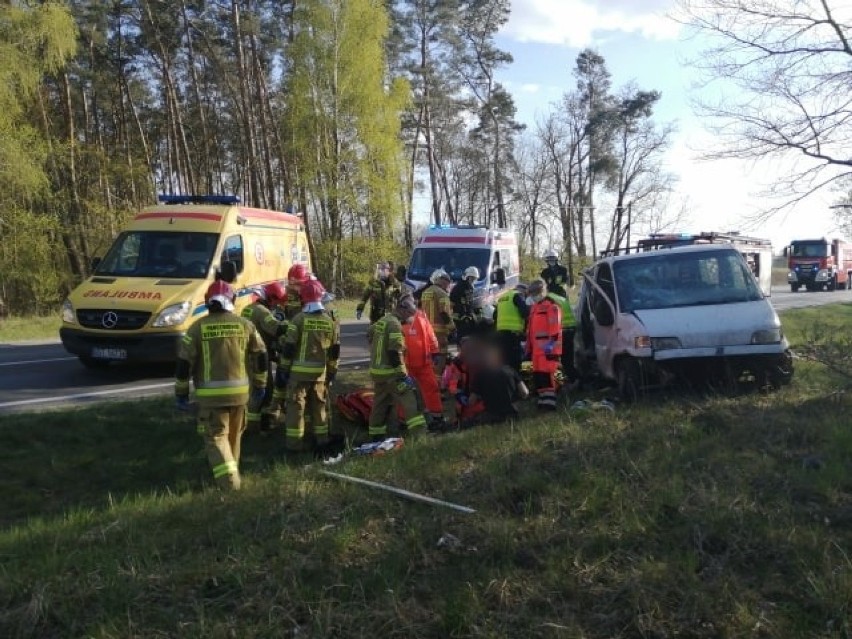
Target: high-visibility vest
509, 316
568, 320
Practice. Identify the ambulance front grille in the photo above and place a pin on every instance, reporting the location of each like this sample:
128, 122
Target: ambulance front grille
108, 319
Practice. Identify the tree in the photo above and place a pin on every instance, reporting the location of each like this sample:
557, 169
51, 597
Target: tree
343, 119
784, 69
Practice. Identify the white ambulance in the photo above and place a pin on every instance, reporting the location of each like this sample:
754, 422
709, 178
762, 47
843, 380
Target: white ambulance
454, 248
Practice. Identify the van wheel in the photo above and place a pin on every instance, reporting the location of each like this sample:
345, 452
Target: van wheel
794, 288
832, 284
780, 373
93, 364
630, 378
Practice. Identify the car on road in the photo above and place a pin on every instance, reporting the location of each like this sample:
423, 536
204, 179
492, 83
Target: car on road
687, 313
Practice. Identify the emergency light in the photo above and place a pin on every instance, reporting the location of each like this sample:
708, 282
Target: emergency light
199, 199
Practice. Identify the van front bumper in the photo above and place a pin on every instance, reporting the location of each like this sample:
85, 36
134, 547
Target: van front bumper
143, 348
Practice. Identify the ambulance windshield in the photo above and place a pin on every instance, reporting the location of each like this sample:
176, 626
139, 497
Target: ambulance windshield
424, 261
160, 254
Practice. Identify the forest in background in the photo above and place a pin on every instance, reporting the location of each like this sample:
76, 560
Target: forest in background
344, 110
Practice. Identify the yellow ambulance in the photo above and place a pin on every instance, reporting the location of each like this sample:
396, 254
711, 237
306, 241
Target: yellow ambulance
148, 289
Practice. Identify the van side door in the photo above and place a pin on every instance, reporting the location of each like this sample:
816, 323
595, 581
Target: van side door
603, 297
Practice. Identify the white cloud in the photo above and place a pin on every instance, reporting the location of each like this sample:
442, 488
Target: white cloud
576, 22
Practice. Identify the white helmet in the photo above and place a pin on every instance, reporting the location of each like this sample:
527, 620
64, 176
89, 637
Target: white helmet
439, 274
551, 255
471, 271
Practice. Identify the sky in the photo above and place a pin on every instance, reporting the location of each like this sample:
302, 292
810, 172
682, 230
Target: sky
652, 50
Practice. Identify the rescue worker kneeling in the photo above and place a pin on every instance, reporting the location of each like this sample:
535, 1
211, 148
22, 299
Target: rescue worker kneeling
217, 352
458, 379
544, 343
308, 367
392, 384
267, 299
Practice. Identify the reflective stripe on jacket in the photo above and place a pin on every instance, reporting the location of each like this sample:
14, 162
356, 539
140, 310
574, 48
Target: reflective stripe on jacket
311, 337
436, 304
223, 351
386, 336
265, 322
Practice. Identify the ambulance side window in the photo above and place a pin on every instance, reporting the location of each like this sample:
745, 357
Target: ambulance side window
233, 251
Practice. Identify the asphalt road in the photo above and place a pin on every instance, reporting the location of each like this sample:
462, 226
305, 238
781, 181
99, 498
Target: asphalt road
43, 375
38, 376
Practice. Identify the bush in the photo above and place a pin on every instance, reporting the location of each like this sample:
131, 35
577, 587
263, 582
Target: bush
360, 256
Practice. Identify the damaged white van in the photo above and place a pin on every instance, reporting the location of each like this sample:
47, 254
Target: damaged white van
689, 313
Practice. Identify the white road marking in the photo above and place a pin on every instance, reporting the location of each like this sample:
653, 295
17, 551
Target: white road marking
59, 398
114, 391
37, 361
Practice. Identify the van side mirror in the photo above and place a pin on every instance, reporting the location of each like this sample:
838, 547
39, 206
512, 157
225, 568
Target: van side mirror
499, 277
96, 262
603, 312
228, 272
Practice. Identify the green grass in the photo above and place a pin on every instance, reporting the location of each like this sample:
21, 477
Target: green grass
691, 516
16, 329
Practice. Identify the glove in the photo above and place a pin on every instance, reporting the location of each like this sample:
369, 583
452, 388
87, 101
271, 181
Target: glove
281, 377
462, 398
548, 348
182, 402
359, 311
436, 358
405, 384
329, 379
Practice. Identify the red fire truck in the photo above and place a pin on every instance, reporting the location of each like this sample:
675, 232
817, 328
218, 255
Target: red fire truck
818, 264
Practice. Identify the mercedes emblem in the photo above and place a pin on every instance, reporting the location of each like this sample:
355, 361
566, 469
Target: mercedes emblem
109, 320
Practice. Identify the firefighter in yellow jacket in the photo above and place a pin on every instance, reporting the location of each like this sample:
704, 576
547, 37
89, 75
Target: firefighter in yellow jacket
225, 356
269, 298
392, 385
435, 302
308, 366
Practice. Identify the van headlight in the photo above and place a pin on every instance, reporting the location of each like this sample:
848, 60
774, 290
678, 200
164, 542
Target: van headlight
172, 315
767, 336
641, 341
68, 312
665, 343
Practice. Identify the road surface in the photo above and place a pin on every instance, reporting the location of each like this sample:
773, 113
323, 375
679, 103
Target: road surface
36, 376
43, 375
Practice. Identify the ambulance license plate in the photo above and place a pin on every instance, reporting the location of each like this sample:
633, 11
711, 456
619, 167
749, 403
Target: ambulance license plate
109, 353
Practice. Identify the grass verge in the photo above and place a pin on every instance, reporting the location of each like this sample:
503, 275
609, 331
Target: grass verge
691, 516
16, 329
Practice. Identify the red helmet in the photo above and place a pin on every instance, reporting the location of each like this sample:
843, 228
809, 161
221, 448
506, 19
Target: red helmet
297, 273
311, 291
222, 292
274, 292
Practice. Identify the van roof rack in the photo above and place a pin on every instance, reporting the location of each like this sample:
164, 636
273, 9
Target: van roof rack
657, 241
199, 199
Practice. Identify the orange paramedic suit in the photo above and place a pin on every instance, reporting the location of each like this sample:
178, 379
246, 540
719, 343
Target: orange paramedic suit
420, 345
544, 348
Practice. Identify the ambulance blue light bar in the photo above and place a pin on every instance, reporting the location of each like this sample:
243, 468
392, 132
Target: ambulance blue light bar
199, 199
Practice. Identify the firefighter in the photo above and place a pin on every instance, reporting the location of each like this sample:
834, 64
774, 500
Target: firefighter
267, 298
382, 293
435, 302
225, 356
296, 276
421, 349
462, 298
555, 275
544, 343
510, 322
569, 326
308, 367
392, 384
